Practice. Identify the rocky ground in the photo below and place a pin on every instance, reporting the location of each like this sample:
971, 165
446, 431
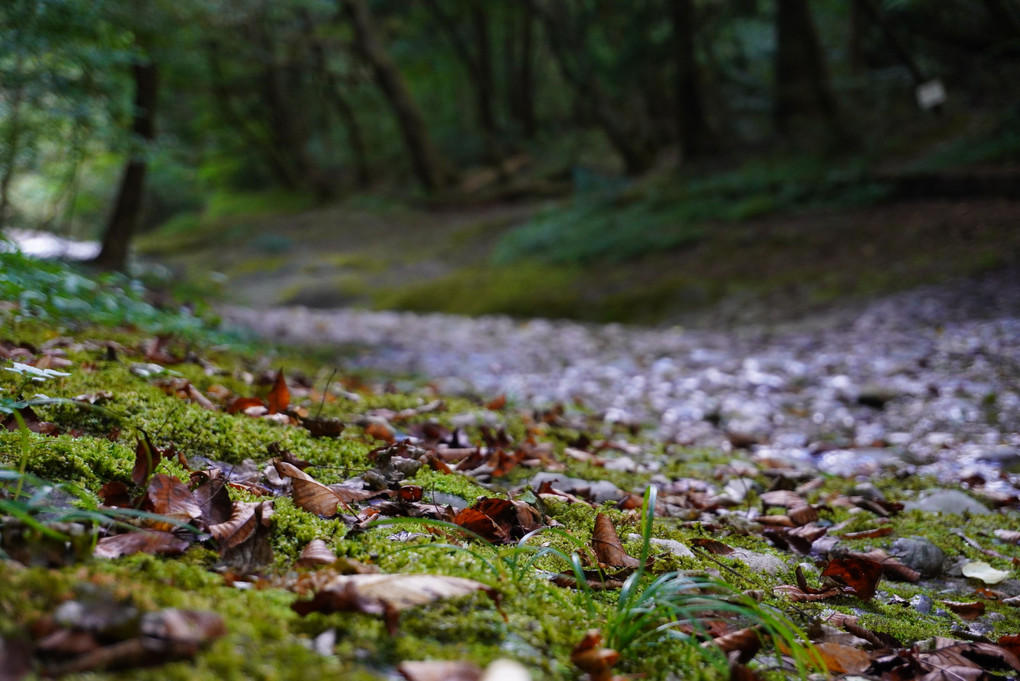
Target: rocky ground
926, 381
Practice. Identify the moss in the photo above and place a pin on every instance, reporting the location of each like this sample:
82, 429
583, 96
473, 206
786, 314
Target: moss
521, 290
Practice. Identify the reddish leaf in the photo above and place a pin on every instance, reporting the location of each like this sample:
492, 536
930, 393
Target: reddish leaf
279, 396
712, 546
243, 403
843, 659
116, 494
32, 422
499, 521
172, 498
592, 658
497, 403
143, 541
966, 611
147, 457
860, 574
745, 643
380, 431
607, 546
245, 545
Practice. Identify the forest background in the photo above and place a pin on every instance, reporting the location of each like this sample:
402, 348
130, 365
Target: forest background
624, 129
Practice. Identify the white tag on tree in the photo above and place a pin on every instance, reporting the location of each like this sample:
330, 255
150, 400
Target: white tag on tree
930, 94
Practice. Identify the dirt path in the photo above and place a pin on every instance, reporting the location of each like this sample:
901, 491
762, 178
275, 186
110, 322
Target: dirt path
926, 381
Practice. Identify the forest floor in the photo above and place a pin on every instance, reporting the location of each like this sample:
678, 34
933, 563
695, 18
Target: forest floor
817, 494
759, 270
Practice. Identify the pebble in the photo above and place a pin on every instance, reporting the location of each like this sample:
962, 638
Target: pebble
920, 554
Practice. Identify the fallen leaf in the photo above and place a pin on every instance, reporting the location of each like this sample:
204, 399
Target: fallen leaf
242, 404
323, 426
316, 553
744, 642
843, 659
967, 611
387, 595
147, 457
589, 656
278, 398
313, 496
607, 546
153, 542
861, 575
248, 549
170, 497
499, 521
984, 572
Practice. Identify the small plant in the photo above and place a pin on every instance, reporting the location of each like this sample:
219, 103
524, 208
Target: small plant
676, 606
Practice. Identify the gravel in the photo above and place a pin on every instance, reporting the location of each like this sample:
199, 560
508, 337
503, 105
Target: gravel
926, 381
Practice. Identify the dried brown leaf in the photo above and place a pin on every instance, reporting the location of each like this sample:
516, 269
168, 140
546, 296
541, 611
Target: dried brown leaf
842, 659
316, 553
278, 398
154, 542
861, 575
592, 658
387, 595
607, 546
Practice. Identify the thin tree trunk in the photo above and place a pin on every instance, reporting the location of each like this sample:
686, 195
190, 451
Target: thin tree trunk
803, 91
13, 142
637, 154
355, 139
429, 165
526, 74
895, 44
691, 127
277, 165
128, 205
477, 64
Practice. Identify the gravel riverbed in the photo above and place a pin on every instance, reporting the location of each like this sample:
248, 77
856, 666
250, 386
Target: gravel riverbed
926, 381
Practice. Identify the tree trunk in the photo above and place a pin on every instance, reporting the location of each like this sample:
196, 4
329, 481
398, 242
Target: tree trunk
429, 165
803, 92
518, 52
128, 205
691, 128
895, 44
637, 154
355, 138
12, 143
475, 56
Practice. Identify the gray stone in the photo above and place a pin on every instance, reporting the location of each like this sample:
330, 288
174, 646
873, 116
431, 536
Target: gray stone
922, 603
920, 554
759, 562
947, 501
671, 545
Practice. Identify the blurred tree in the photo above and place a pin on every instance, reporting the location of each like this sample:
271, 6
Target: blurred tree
431, 168
803, 91
127, 207
692, 129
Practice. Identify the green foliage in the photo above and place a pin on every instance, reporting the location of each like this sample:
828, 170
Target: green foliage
57, 292
616, 223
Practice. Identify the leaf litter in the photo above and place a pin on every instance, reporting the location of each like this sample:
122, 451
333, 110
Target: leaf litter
203, 509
